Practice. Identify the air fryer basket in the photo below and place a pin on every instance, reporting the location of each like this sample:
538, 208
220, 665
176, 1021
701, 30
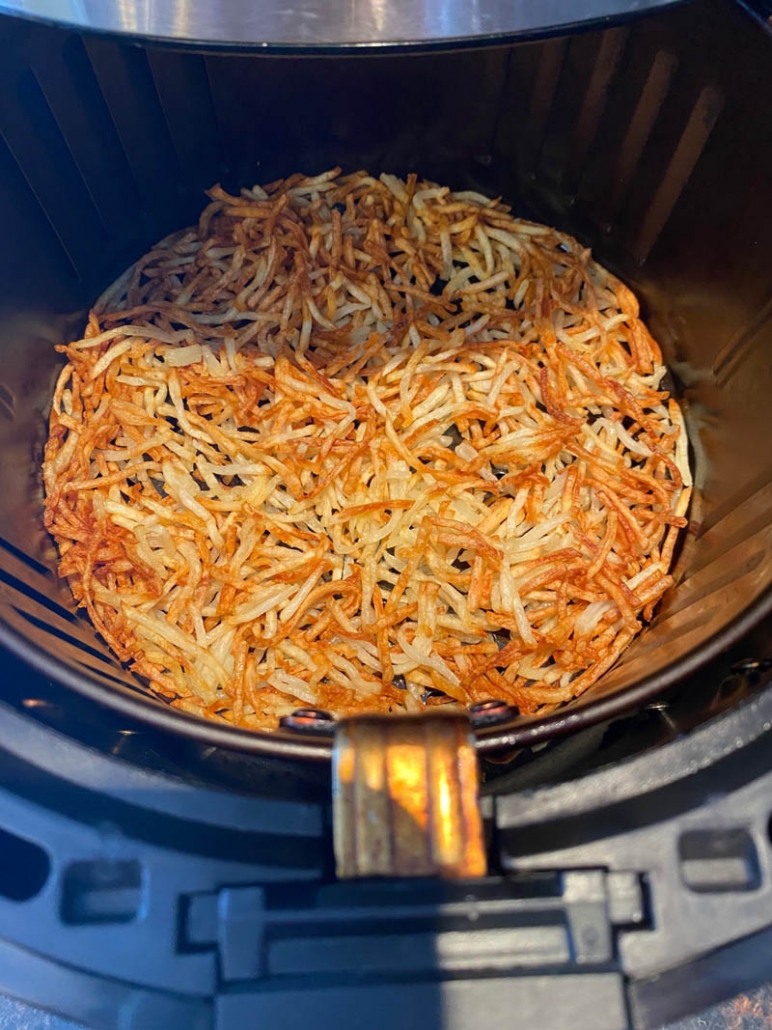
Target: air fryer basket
648, 141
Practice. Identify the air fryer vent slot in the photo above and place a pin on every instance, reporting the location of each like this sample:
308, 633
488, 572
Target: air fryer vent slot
68, 638
34, 596
127, 85
7, 403
71, 651
30, 129
594, 103
716, 861
21, 557
26, 222
72, 90
733, 357
101, 891
682, 164
24, 869
185, 97
642, 122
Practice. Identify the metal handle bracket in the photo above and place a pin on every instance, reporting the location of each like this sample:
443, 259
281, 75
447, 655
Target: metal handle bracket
405, 798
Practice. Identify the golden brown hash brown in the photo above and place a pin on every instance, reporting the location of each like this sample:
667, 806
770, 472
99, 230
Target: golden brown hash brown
365, 444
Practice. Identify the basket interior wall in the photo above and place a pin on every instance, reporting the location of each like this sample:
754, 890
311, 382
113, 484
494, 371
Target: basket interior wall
649, 141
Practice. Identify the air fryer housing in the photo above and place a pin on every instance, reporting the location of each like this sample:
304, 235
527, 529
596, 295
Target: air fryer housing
175, 879
641, 139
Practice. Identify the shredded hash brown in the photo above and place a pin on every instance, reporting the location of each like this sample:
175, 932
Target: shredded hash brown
363, 443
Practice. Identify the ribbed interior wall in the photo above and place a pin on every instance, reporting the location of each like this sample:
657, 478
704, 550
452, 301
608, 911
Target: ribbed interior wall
652, 142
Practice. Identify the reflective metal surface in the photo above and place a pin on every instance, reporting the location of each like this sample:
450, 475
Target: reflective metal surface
404, 797
328, 23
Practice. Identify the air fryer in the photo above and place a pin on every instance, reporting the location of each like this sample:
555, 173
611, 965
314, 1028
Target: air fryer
650, 139
641, 139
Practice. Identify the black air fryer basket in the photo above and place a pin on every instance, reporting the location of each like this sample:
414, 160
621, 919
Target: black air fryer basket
153, 843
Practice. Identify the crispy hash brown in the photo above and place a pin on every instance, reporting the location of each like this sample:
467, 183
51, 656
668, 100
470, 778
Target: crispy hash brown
365, 444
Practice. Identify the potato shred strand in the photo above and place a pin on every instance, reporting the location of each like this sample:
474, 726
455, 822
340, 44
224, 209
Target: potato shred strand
365, 444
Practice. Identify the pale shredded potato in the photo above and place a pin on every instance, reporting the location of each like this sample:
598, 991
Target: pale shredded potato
365, 444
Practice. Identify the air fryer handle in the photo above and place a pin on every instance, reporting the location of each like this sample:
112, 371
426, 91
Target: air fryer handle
405, 797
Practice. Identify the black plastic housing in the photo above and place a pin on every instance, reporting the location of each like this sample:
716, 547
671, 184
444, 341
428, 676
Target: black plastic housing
647, 140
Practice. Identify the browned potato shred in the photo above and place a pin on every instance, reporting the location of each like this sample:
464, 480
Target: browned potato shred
365, 444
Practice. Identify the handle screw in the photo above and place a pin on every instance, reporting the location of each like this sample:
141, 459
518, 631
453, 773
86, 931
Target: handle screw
486, 713
752, 665
308, 720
